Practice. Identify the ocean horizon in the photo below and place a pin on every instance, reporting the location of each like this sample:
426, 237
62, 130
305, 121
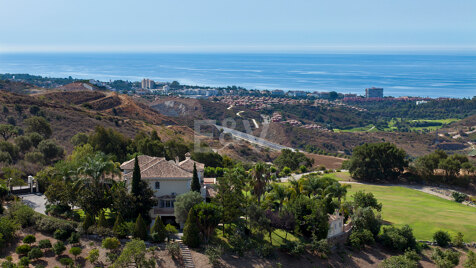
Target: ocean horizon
399, 74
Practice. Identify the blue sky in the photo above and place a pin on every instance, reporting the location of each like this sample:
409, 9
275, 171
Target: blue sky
237, 26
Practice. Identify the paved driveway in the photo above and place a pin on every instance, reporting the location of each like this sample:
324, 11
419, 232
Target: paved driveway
35, 201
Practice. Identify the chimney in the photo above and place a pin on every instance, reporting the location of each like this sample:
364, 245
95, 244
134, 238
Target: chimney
177, 160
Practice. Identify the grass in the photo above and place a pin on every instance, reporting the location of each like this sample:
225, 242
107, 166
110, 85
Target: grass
391, 126
425, 213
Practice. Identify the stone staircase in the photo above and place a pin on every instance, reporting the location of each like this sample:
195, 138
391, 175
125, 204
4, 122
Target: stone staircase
186, 255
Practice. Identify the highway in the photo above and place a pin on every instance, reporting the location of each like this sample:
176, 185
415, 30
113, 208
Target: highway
252, 139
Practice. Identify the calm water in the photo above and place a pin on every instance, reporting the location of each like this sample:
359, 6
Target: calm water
399, 75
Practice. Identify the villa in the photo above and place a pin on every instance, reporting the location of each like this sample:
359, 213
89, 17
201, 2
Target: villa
167, 178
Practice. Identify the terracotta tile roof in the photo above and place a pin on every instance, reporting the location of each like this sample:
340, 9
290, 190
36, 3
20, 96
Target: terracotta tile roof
143, 159
187, 164
165, 169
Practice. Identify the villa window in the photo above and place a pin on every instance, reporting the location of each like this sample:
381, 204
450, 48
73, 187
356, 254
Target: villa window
157, 185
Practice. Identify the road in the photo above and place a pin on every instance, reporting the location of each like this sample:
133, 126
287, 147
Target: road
36, 201
252, 139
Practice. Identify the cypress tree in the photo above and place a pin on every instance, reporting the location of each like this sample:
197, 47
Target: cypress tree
140, 229
88, 222
191, 232
102, 222
135, 187
117, 225
159, 229
195, 182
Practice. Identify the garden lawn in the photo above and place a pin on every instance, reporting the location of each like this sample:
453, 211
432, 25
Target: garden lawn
425, 213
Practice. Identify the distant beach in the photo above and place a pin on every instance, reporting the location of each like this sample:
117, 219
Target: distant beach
399, 75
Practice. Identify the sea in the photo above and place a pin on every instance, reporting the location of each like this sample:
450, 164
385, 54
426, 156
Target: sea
399, 75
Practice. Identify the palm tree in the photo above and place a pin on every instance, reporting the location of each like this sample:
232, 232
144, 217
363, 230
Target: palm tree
278, 194
93, 182
260, 177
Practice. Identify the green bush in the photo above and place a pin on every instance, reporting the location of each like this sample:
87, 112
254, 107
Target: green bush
321, 246
59, 248
458, 240
265, 250
173, 249
408, 260
111, 243
157, 231
22, 214
239, 243
74, 238
93, 255
29, 239
23, 249
44, 244
24, 261
140, 229
66, 261
75, 251
88, 222
214, 255
35, 253
398, 238
8, 227
61, 234
448, 258
470, 260
442, 238
358, 239
50, 224
191, 232
459, 197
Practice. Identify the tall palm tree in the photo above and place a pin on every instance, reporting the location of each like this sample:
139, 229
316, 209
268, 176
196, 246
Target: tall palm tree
260, 178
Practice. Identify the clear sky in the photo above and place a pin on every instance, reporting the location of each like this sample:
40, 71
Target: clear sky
237, 26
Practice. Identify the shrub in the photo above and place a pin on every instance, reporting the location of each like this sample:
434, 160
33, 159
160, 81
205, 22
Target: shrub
23, 249
408, 260
170, 230
74, 238
448, 258
22, 214
267, 251
44, 244
111, 243
459, 197
140, 229
398, 239
75, 251
102, 222
173, 249
67, 261
214, 255
59, 248
470, 260
458, 240
50, 224
88, 222
239, 243
29, 239
442, 238
191, 232
321, 246
93, 255
8, 227
61, 234
358, 239
158, 231
24, 261
35, 253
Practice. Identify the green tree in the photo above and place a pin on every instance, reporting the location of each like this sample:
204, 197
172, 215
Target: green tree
450, 166
75, 251
230, 195
7, 131
140, 229
102, 222
35, 138
365, 218
59, 248
260, 178
208, 217
183, 203
93, 255
470, 260
133, 255
88, 222
191, 232
195, 180
136, 178
158, 230
35, 254
442, 238
50, 150
377, 161
39, 125
111, 243
110, 142
79, 139
364, 200
29, 239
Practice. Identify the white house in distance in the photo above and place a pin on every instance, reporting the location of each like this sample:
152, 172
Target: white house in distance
167, 179
336, 225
